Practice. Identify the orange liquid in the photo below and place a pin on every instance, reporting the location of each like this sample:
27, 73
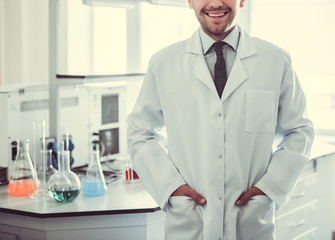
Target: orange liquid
23, 187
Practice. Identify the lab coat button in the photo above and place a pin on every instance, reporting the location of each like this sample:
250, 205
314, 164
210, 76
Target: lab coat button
220, 156
220, 114
220, 198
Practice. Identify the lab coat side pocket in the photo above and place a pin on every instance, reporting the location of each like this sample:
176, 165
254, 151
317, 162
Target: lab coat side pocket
257, 220
182, 220
260, 111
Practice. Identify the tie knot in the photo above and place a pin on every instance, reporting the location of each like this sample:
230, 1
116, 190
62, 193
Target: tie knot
218, 46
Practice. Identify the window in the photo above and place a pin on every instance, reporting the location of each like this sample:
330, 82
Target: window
304, 29
162, 26
92, 40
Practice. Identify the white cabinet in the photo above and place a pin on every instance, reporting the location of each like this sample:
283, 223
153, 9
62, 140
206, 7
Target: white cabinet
142, 226
297, 222
307, 216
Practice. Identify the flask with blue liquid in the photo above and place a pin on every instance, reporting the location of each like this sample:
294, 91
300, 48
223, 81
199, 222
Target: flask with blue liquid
94, 182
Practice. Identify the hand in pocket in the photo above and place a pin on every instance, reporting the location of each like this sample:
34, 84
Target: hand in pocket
246, 196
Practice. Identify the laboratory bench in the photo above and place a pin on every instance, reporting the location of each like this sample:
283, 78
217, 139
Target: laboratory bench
127, 211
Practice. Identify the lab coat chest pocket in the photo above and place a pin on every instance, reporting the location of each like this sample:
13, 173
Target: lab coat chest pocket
260, 111
257, 220
183, 219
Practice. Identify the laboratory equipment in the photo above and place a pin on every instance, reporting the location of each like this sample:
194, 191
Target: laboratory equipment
66, 138
54, 156
40, 156
23, 180
92, 103
64, 185
94, 182
49, 170
38, 145
44, 175
129, 174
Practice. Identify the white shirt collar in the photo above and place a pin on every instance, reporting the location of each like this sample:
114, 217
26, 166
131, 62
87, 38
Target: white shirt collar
231, 39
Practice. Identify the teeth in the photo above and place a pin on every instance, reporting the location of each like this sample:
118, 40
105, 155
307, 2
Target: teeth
216, 15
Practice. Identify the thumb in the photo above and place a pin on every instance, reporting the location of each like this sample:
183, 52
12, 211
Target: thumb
197, 198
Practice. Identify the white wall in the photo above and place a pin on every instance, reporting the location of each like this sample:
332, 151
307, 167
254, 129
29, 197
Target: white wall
243, 17
11, 49
24, 41
0, 40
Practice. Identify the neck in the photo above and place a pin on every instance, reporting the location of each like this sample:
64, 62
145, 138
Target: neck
219, 37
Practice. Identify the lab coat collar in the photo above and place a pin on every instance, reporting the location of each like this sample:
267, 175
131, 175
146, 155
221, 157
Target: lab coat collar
194, 44
246, 46
238, 74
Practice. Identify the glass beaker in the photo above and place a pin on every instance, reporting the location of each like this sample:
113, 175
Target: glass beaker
64, 185
23, 180
94, 182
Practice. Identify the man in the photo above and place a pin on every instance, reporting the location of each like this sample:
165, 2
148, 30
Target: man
232, 154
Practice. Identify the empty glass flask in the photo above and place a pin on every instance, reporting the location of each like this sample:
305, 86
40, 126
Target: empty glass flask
64, 185
94, 182
23, 179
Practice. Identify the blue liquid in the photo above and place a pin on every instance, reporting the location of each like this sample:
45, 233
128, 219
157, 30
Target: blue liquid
93, 188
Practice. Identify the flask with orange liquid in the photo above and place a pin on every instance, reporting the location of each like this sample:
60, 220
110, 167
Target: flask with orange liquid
23, 179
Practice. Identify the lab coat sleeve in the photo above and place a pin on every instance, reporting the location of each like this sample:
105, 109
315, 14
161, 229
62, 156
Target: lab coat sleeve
295, 135
150, 159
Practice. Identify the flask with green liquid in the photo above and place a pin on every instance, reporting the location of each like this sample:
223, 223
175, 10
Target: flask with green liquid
64, 185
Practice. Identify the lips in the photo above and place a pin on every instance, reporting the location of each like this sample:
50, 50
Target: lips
216, 13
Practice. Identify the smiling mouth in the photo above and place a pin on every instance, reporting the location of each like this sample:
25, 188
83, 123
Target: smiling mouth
216, 13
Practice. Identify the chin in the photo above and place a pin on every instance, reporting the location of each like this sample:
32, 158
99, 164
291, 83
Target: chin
218, 32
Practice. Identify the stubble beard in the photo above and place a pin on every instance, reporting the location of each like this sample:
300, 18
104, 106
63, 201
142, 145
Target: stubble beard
215, 31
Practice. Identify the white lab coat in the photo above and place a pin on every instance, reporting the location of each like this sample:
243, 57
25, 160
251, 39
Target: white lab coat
220, 147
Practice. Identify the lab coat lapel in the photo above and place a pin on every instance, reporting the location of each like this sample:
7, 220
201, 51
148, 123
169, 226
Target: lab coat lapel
200, 69
236, 77
238, 74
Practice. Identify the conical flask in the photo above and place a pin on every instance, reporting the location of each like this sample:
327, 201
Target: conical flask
23, 179
94, 182
64, 185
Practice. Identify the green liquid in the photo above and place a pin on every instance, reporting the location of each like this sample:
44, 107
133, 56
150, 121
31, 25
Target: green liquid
63, 196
